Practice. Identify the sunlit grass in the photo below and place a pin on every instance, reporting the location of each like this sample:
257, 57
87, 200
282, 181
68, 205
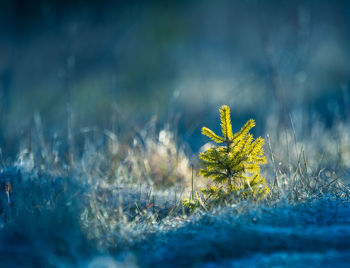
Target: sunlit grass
112, 197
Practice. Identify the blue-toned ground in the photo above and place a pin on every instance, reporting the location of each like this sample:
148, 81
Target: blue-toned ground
92, 212
312, 234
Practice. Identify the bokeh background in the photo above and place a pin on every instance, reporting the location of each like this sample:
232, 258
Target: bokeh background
117, 64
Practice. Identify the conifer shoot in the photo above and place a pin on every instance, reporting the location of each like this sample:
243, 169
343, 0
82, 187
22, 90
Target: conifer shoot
234, 163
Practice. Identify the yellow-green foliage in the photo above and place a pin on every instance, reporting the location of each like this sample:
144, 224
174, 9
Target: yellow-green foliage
233, 164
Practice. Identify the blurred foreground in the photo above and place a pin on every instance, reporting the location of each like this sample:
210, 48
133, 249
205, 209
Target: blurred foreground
119, 205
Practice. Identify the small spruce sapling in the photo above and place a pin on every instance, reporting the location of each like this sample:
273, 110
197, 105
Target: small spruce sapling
233, 164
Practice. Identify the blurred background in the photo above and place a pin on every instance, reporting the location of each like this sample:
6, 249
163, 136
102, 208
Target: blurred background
116, 64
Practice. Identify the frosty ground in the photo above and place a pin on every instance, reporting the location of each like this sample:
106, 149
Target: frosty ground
108, 207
